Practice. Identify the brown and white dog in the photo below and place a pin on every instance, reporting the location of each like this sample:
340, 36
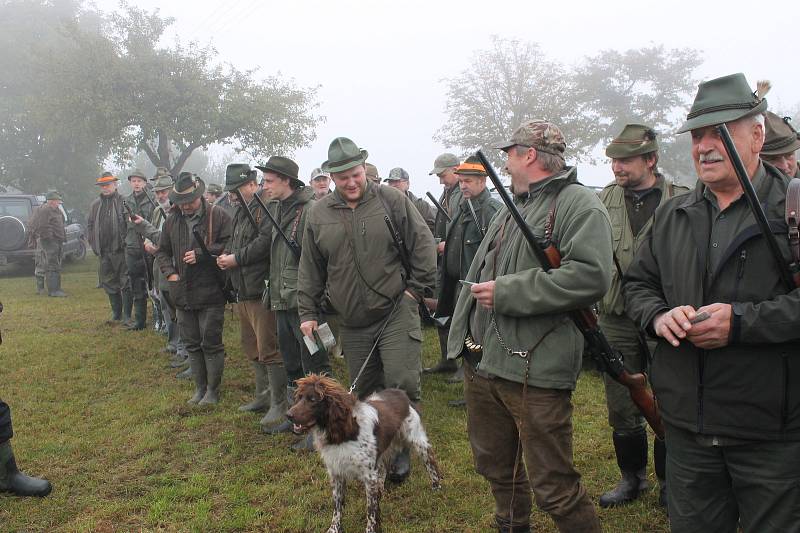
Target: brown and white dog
358, 439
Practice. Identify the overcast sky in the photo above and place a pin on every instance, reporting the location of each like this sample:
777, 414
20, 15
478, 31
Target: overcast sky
380, 64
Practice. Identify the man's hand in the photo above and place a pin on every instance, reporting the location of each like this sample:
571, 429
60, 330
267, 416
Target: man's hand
226, 261
713, 332
308, 328
672, 325
189, 257
484, 293
150, 248
440, 248
173, 277
137, 219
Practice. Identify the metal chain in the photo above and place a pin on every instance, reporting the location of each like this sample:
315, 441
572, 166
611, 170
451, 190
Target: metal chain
521, 353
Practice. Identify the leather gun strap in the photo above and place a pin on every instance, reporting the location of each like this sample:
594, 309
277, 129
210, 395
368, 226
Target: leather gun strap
793, 217
209, 235
295, 224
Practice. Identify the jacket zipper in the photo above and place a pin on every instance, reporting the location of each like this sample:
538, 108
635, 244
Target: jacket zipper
739, 274
701, 363
785, 395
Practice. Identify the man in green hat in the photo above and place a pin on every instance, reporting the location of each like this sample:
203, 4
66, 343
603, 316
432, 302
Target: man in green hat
106, 227
631, 199
137, 260
781, 144
444, 167
246, 259
522, 353
372, 173
216, 195
348, 251
47, 231
727, 366
151, 231
194, 285
399, 179
465, 233
321, 183
290, 205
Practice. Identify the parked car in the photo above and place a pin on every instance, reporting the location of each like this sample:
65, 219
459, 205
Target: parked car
15, 212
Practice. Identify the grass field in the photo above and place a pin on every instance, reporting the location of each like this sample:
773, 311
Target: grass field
97, 412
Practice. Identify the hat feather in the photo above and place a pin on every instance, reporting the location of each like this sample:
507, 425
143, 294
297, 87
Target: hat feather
762, 88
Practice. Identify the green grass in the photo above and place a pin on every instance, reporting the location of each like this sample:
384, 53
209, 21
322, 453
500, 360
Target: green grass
97, 412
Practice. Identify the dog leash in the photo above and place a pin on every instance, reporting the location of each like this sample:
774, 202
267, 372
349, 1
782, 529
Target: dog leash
377, 339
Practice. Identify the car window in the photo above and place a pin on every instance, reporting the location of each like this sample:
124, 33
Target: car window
15, 207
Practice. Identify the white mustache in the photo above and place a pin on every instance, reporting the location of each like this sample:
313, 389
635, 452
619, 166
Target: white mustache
711, 157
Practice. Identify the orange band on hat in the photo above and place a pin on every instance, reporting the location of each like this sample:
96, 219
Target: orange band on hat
106, 179
471, 166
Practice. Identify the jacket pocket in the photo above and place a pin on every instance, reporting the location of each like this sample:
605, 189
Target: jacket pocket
288, 291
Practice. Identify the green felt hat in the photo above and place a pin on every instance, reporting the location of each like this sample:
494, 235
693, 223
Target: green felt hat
781, 137
283, 166
237, 174
187, 188
635, 139
163, 183
724, 100
343, 154
136, 173
53, 195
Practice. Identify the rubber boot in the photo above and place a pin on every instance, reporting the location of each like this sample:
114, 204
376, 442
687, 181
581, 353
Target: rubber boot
631, 451
401, 466
660, 464
445, 365
261, 401
457, 377
14, 481
140, 315
127, 306
116, 306
54, 285
282, 395
178, 360
186, 373
503, 526
197, 366
40, 290
215, 365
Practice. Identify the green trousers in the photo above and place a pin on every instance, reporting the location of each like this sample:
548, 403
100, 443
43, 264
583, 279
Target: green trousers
397, 359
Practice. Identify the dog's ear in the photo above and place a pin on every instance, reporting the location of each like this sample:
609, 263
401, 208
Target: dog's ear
341, 424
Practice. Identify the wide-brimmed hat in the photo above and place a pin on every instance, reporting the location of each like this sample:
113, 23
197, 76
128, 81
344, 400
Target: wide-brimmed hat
635, 139
215, 189
187, 188
472, 166
136, 173
283, 166
724, 100
163, 183
443, 162
372, 172
781, 137
343, 154
106, 177
397, 174
160, 171
53, 195
539, 134
236, 175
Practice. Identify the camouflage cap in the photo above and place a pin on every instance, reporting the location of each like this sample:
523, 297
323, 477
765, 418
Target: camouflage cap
372, 172
781, 137
443, 162
635, 139
318, 173
397, 174
53, 195
539, 134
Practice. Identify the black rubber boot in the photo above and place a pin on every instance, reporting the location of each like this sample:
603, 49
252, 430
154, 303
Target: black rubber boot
401, 466
116, 306
40, 290
127, 306
631, 451
457, 377
54, 285
282, 405
140, 315
660, 464
261, 402
14, 481
215, 366
504, 527
445, 365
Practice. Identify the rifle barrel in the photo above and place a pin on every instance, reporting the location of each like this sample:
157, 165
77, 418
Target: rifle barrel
439, 207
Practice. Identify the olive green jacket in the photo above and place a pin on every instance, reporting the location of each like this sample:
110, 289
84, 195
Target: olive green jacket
292, 214
625, 242
450, 200
530, 305
466, 246
425, 210
350, 253
749, 389
251, 249
141, 206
